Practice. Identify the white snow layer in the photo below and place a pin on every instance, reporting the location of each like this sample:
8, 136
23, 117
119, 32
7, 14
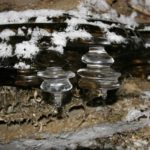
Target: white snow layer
26, 49
5, 50
114, 38
23, 16
21, 65
6, 33
146, 28
147, 45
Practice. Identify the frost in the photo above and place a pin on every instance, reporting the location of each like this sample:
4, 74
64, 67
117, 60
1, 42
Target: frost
21, 65
112, 37
5, 50
26, 49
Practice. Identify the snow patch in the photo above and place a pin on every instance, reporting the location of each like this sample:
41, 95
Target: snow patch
6, 33
26, 49
146, 28
5, 50
20, 32
147, 45
78, 34
23, 16
113, 37
21, 65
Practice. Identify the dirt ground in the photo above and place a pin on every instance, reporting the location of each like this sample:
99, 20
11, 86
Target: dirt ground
6, 5
128, 97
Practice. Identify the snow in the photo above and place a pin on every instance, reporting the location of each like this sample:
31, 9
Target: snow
5, 50
59, 38
146, 28
20, 32
41, 19
26, 49
147, 45
78, 34
6, 33
21, 65
75, 21
23, 16
37, 33
114, 38
87, 8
